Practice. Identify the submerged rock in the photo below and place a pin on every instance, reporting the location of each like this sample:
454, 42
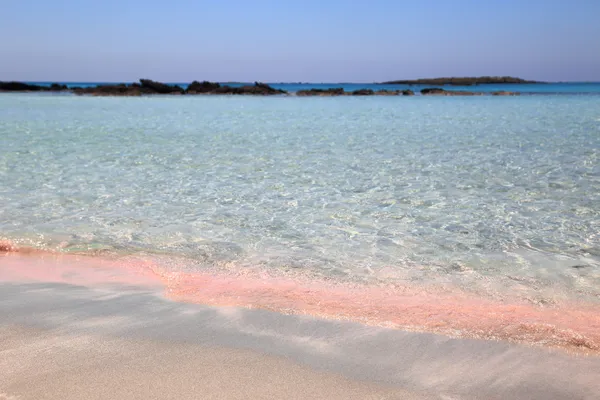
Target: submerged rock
358, 92
363, 92
505, 93
7, 246
385, 92
442, 92
321, 92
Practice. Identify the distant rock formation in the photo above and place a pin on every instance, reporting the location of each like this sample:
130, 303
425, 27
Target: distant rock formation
442, 92
257, 89
25, 87
363, 92
202, 87
505, 93
149, 87
463, 81
358, 92
121, 89
159, 87
321, 92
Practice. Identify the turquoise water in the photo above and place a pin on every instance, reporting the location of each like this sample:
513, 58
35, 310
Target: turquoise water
491, 194
546, 88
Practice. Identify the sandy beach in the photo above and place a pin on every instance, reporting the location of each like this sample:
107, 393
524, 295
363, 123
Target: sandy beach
300, 200
113, 338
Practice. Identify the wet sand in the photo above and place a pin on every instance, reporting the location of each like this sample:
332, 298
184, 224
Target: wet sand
574, 327
39, 364
102, 332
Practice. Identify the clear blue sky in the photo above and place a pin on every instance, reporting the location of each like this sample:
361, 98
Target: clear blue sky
310, 40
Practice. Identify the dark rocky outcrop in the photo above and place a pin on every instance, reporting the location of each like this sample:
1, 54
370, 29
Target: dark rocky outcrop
321, 92
363, 92
148, 87
358, 92
442, 92
121, 89
505, 93
159, 87
385, 92
25, 87
461, 81
202, 87
55, 87
258, 89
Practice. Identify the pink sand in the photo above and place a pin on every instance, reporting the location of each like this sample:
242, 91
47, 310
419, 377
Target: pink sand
574, 327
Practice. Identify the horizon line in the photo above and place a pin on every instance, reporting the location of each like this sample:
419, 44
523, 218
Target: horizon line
282, 82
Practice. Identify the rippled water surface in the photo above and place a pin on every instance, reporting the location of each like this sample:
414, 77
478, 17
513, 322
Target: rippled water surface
487, 193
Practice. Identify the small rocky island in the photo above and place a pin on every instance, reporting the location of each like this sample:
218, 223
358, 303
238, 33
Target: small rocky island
443, 92
150, 87
461, 81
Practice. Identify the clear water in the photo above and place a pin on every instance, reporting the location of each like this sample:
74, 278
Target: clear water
486, 193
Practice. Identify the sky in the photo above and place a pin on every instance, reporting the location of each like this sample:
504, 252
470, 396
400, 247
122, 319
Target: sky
298, 41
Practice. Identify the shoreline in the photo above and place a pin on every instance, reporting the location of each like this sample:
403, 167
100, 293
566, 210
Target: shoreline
571, 326
74, 342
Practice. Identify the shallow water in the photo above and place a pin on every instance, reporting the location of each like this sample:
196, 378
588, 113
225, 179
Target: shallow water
499, 196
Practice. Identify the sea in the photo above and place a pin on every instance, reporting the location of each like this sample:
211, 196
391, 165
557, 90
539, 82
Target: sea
497, 196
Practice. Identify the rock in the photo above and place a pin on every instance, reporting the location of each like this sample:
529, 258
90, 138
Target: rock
462, 81
111, 90
159, 87
581, 266
385, 92
322, 92
260, 88
363, 92
202, 87
442, 92
505, 93
408, 92
7, 246
433, 91
18, 87
55, 87
25, 87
